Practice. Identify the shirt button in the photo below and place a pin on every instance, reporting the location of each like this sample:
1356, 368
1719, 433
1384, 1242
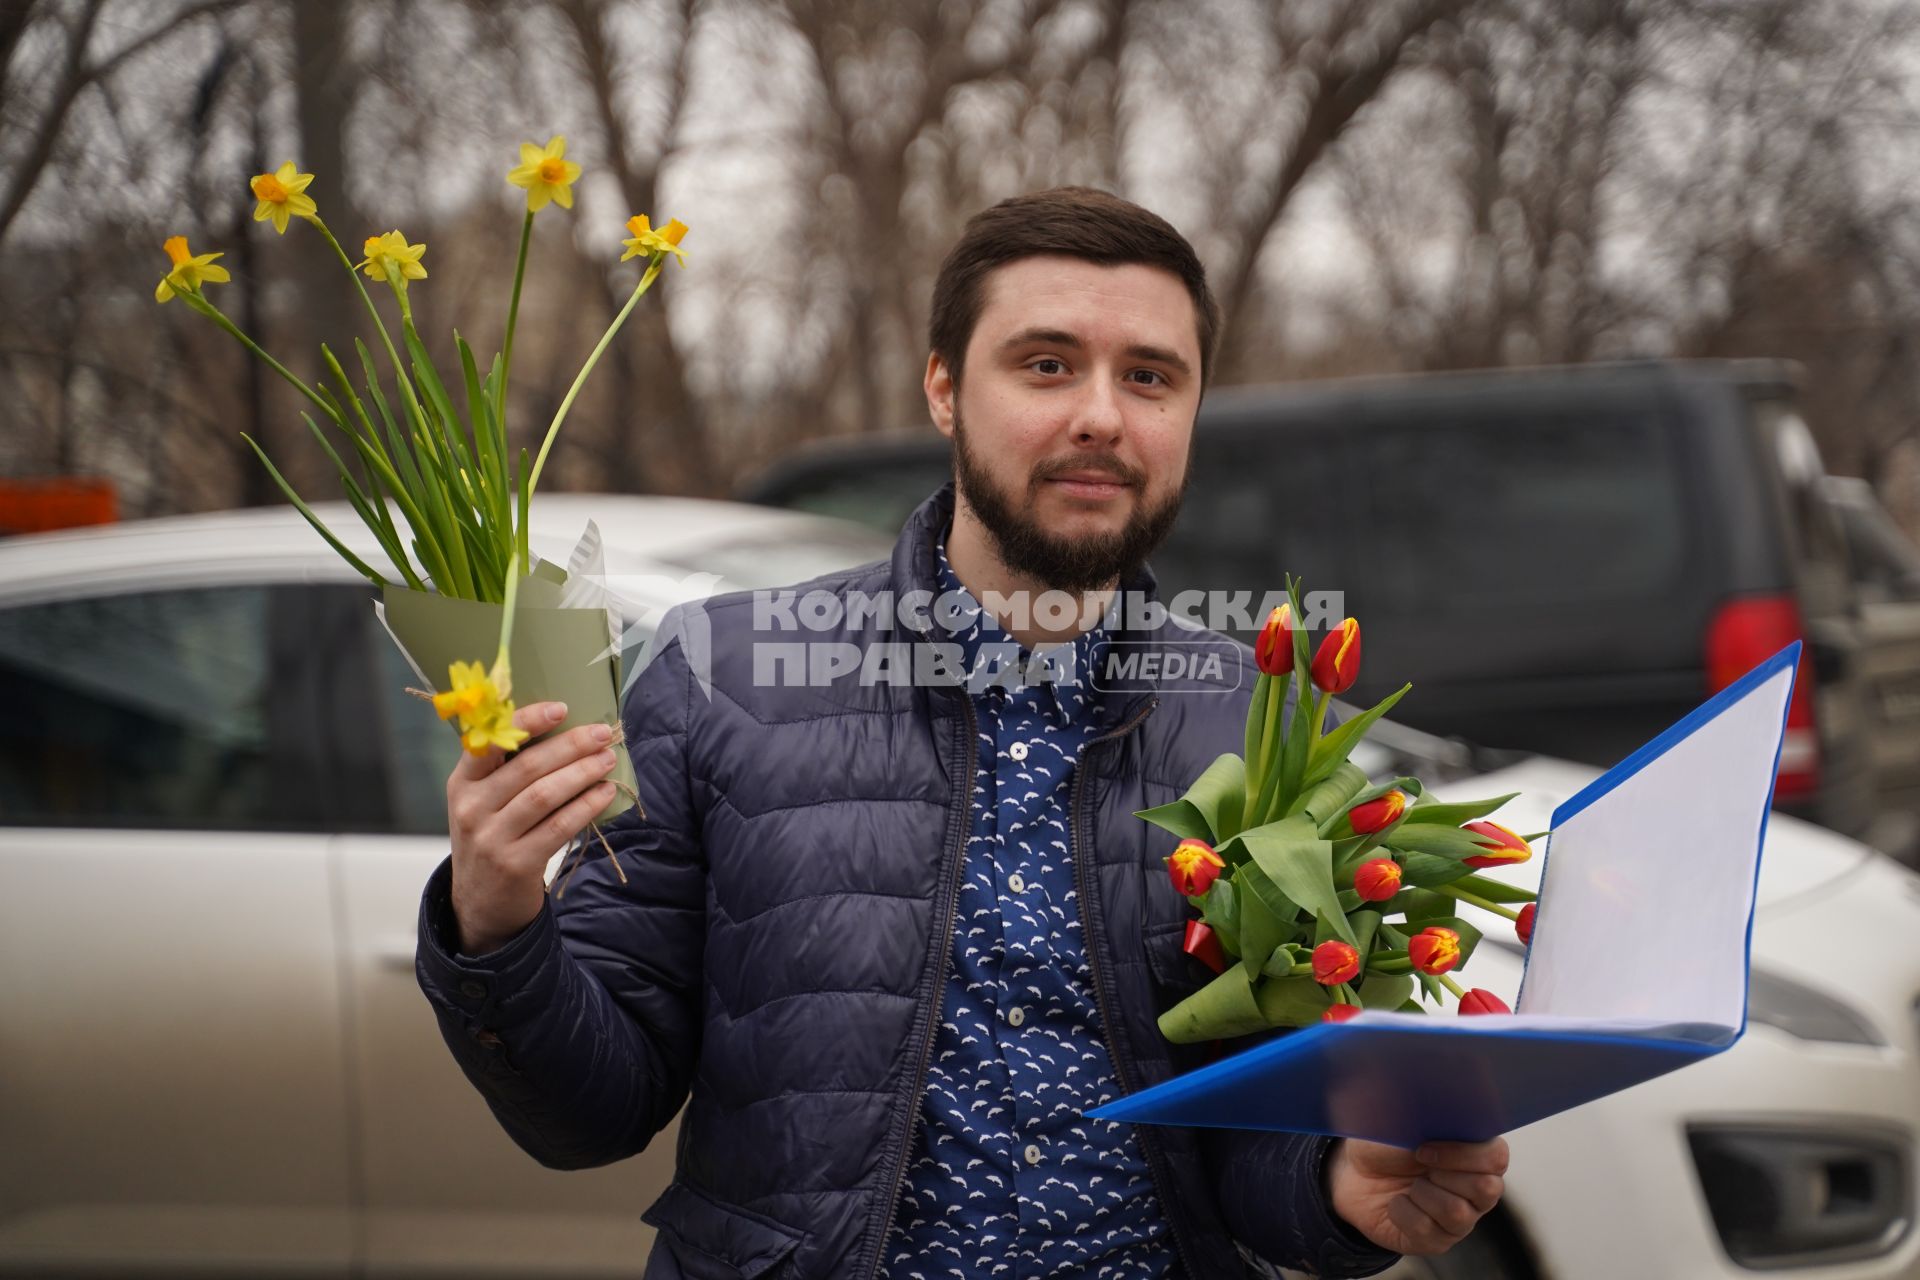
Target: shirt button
1016, 1015
473, 989
1033, 1155
1018, 751
1015, 883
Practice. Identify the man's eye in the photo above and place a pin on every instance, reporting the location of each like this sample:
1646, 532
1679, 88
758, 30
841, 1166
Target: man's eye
1048, 367
1148, 377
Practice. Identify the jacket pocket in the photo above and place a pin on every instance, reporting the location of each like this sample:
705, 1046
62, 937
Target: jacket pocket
714, 1241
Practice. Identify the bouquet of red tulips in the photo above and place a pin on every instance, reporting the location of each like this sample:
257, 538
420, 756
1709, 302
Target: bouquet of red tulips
1321, 894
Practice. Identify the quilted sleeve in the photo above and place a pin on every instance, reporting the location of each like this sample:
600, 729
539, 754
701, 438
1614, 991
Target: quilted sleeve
583, 1031
1271, 1191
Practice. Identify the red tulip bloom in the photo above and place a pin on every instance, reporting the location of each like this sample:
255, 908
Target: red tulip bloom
1340, 1012
1524, 925
1434, 949
1479, 1000
1336, 665
1194, 867
1378, 813
1204, 945
1502, 846
1335, 962
1273, 648
1377, 879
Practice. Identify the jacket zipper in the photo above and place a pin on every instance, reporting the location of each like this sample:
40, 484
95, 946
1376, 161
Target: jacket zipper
882, 1220
1092, 932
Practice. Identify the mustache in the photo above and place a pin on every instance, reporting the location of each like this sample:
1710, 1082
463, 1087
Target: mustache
1107, 464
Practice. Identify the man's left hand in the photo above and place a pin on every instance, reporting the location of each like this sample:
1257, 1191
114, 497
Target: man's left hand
1418, 1202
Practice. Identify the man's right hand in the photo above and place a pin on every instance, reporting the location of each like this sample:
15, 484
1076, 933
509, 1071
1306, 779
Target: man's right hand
509, 815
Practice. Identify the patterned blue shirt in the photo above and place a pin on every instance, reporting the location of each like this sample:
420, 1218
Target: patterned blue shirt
1006, 1177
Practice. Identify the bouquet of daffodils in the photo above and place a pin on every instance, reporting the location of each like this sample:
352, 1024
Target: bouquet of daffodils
438, 487
1320, 894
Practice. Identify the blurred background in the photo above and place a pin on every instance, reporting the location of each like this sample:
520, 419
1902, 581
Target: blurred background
1375, 187
1574, 341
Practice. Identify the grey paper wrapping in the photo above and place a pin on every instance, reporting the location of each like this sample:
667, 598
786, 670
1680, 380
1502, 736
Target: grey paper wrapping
558, 655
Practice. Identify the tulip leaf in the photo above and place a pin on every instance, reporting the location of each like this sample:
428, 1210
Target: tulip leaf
1412, 1006
1179, 818
1253, 882
1425, 871
1260, 932
1331, 796
1349, 901
1257, 718
1293, 1001
1222, 913
1441, 842
1454, 814
1365, 925
1386, 991
1224, 1007
1332, 751
1294, 752
1210, 810
1431, 988
1494, 890
1300, 865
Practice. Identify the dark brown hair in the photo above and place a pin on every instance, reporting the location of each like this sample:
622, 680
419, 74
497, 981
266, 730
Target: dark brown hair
1073, 222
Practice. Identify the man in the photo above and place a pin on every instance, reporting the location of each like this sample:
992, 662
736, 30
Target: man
896, 936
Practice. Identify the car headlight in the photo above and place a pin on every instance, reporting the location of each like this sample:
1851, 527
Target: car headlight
1806, 1014
1788, 1198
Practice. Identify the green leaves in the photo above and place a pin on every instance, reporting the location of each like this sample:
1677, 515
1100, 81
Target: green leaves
1210, 810
1332, 751
1299, 864
1224, 1007
1453, 815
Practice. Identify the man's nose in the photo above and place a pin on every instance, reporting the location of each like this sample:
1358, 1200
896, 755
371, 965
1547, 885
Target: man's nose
1097, 417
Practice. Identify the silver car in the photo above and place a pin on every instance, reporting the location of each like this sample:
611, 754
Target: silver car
218, 808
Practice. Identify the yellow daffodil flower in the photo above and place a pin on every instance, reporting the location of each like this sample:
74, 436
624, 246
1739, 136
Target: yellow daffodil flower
189, 272
546, 174
479, 699
646, 240
392, 250
280, 196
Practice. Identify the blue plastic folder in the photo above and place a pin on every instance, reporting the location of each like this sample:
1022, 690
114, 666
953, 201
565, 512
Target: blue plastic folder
1638, 964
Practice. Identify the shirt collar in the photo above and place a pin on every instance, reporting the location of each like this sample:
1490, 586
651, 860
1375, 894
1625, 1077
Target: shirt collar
997, 664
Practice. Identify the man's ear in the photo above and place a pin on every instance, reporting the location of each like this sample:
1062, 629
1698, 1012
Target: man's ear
940, 390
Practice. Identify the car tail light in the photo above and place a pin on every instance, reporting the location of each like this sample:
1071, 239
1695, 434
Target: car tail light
1742, 634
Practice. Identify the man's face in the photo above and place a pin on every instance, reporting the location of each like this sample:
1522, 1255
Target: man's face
1073, 419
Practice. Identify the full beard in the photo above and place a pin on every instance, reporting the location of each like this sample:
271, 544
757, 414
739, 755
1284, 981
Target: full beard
1076, 564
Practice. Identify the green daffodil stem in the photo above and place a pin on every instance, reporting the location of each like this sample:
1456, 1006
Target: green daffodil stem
560, 415
1475, 900
354, 275
199, 303
513, 316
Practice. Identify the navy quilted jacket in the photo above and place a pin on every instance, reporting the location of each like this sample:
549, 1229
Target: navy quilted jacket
776, 956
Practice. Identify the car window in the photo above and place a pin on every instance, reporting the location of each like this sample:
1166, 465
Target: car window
1261, 504
1529, 508
147, 709
879, 493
